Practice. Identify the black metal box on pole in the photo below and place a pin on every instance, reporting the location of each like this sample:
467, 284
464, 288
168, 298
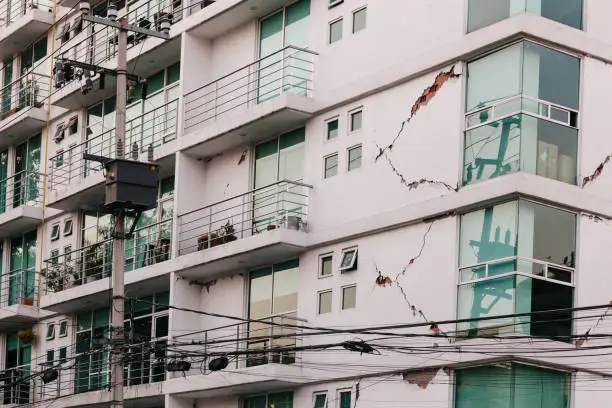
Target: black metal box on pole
131, 185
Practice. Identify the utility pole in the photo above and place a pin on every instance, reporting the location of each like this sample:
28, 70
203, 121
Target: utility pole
117, 339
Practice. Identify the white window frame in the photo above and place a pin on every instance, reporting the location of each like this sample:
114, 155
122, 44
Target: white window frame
50, 334
325, 165
348, 157
63, 324
331, 306
350, 119
353, 19
55, 231
326, 134
70, 222
321, 258
353, 265
340, 391
71, 122
329, 30
316, 394
353, 285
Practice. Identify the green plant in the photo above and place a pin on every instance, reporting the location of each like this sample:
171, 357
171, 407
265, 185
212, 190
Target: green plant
26, 335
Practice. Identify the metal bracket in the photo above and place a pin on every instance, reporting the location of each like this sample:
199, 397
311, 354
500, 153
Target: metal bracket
130, 234
97, 69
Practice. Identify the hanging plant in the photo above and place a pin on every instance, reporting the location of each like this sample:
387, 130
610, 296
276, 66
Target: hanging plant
26, 335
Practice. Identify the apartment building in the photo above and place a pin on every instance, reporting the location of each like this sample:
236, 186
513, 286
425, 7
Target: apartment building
366, 203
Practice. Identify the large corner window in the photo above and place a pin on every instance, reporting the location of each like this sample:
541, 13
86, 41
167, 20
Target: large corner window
482, 13
522, 114
517, 258
511, 386
91, 364
273, 293
17, 360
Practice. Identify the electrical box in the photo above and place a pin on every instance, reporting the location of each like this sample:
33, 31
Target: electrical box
131, 185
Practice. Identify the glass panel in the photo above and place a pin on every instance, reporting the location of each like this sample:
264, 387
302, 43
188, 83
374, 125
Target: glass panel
281, 400
547, 234
359, 20
325, 302
174, 73
482, 13
345, 399
255, 402
271, 40
349, 297
332, 129
568, 12
331, 166
488, 234
540, 388
473, 388
494, 77
161, 326
296, 24
285, 290
326, 265
260, 293
469, 274
354, 158
335, 31
484, 299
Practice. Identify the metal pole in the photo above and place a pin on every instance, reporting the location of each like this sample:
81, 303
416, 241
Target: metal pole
117, 338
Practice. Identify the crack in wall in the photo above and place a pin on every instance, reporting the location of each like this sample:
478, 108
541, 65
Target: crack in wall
597, 172
414, 184
426, 96
580, 341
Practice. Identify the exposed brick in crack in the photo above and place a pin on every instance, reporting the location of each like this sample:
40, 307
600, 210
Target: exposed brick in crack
426, 96
580, 340
414, 184
597, 171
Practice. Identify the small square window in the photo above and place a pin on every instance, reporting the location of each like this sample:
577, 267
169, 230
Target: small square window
55, 232
326, 263
73, 125
331, 165
349, 297
348, 261
320, 400
335, 31
356, 120
50, 357
332, 129
354, 158
359, 19
62, 355
63, 330
67, 227
55, 256
325, 302
50, 331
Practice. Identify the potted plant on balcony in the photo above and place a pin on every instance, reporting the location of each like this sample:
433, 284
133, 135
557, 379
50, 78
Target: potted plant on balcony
54, 277
26, 335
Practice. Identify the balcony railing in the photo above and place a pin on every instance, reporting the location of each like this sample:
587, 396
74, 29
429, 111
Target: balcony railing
150, 245
12, 10
153, 128
30, 90
102, 44
248, 344
290, 70
24, 188
16, 386
199, 5
18, 288
280, 205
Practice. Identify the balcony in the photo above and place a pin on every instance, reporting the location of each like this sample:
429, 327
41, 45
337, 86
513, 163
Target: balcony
78, 279
269, 96
100, 48
19, 389
22, 23
18, 299
84, 382
22, 108
251, 229
260, 370
76, 183
20, 203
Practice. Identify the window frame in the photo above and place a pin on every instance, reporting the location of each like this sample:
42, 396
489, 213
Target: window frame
322, 258
348, 157
354, 264
331, 24
354, 13
318, 394
50, 333
339, 393
334, 3
55, 232
352, 112
68, 222
331, 301
327, 157
327, 123
344, 288
63, 328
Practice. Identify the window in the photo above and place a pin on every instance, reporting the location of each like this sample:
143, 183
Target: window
91, 367
73, 125
331, 165
64, 34
18, 357
59, 132
55, 256
325, 302
348, 260
356, 120
22, 269
325, 265
50, 331
333, 3
359, 20
354, 158
68, 253
512, 386
78, 25
276, 400
335, 31
320, 400
517, 257
62, 355
63, 328
344, 399
67, 227
332, 129
33, 54
482, 13
50, 358
59, 158
518, 118
55, 232
349, 297
273, 291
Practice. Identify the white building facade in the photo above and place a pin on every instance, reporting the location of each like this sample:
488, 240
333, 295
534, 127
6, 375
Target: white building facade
360, 204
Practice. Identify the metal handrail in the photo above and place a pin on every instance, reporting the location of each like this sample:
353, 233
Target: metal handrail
20, 9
